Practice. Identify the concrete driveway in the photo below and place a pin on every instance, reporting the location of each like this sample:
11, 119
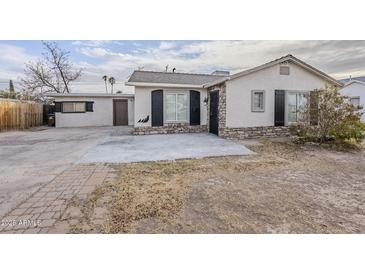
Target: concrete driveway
30, 159
129, 149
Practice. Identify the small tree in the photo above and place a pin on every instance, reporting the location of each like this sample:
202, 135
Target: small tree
53, 73
105, 78
112, 82
330, 116
11, 90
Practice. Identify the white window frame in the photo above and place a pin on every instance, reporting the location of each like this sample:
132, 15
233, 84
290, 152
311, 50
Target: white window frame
354, 97
287, 92
74, 107
176, 93
256, 109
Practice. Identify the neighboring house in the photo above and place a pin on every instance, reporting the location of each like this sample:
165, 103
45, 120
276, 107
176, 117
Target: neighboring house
355, 91
93, 109
261, 101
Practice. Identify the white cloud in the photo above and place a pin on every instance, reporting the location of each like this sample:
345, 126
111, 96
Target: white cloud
12, 60
94, 52
90, 43
167, 45
337, 58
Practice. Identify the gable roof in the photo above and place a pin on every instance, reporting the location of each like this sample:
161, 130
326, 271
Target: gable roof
286, 58
143, 78
360, 78
354, 82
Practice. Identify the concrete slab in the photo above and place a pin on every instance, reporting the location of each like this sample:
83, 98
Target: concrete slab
129, 149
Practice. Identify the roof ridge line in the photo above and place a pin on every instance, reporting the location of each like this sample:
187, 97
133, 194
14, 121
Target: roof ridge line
188, 73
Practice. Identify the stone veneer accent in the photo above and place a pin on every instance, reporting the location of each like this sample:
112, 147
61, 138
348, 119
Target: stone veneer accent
254, 132
221, 106
243, 132
169, 129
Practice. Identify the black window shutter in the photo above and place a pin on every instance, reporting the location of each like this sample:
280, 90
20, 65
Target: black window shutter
157, 108
58, 107
89, 106
194, 107
279, 108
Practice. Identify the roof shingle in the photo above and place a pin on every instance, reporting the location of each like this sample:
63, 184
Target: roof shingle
140, 76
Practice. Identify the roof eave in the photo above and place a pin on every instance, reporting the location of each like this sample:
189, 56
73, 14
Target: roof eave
147, 84
87, 95
353, 82
211, 84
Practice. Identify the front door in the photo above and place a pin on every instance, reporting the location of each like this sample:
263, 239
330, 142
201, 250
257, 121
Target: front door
213, 112
120, 110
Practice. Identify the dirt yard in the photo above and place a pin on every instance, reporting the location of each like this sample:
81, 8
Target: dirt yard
285, 188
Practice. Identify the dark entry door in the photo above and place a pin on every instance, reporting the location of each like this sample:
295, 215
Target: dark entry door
279, 108
194, 107
213, 112
157, 108
120, 110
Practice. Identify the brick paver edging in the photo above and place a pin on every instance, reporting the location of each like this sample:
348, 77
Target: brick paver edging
43, 209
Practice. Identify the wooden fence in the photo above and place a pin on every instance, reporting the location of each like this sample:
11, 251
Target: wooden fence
15, 114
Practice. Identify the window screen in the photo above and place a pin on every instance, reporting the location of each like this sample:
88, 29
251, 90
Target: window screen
355, 101
71, 107
176, 107
258, 100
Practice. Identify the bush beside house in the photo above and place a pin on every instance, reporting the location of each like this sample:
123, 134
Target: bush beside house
330, 117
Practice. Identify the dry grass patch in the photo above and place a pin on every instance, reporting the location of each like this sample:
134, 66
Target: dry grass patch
151, 190
284, 188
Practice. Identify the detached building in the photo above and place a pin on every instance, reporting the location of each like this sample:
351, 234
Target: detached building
93, 109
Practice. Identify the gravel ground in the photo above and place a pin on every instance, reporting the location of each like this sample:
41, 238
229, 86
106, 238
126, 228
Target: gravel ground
284, 188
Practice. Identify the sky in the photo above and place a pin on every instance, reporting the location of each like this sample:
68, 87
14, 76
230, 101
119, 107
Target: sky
339, 59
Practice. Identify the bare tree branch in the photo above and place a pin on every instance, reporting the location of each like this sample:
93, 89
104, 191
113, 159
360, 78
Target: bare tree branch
52, 74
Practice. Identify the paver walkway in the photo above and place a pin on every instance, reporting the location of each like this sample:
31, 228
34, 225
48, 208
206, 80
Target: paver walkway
40, 212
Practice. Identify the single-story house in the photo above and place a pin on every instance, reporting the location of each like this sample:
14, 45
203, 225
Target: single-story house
355, 91
93, 109
261, 101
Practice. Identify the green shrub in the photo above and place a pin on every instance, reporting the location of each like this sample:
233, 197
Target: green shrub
329, 117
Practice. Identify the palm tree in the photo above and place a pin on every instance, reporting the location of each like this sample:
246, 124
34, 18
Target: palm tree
112, 82
105, 78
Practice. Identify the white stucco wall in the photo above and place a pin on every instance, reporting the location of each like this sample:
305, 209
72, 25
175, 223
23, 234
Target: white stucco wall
238, 108
142, 107
355, 90
101, 116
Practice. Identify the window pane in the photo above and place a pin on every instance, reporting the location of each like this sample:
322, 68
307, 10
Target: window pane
170, 107
182, 107
355, 101
258, 101
292, 108
68, 107
79, 107
301, 105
